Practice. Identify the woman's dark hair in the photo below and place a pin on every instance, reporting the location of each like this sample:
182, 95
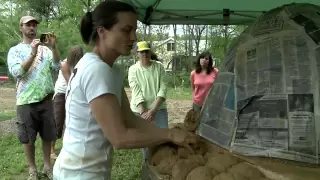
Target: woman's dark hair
154, 56
74, 55
210, 64
105, 15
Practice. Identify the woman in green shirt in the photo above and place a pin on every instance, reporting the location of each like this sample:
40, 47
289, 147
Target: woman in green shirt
148, 87
146, 80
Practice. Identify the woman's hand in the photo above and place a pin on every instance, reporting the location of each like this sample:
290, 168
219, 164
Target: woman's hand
149, 115
146, 116
183, 138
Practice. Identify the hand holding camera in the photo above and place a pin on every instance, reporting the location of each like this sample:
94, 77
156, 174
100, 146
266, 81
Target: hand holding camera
35, 44
48, 39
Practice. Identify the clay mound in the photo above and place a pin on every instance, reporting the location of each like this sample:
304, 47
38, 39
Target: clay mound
209, 162
200, 148
180, 126
191, 120
221, 163
198, 159
182, 168
162, 152
200, 173
165, 165
183, 152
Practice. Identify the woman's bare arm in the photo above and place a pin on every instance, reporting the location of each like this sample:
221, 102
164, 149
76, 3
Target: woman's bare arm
65, 69
123, 134
100, 92
132, 121
192, 80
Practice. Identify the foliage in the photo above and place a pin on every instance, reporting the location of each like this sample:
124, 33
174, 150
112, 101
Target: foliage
63, 18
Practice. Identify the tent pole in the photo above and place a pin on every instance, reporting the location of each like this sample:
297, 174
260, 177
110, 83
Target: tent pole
144, 32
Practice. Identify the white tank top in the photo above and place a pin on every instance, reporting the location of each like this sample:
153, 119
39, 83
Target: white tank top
61, 83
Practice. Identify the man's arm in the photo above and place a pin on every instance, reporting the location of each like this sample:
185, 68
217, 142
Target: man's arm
55, 54
137, 96
53, 46
52, 55
16, 65
28, 62
65, 69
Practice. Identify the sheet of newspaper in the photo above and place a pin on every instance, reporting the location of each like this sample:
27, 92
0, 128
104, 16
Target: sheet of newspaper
218, 113
276, 102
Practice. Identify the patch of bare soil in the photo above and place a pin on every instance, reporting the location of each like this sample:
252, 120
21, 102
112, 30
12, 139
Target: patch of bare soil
7, 104
177, 108
7, 100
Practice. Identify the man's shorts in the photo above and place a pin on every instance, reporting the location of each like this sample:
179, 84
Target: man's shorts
59, 106
36, 118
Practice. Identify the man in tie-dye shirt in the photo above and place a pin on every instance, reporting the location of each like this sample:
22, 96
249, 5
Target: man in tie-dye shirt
31, 63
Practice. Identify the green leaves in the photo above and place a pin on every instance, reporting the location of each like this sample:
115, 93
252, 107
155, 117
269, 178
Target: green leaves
63, 18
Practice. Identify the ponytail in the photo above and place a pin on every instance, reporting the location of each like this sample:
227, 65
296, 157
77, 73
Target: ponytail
86, 27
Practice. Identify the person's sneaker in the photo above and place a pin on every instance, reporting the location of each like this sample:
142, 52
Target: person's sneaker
47, 173
33, 175
53, 156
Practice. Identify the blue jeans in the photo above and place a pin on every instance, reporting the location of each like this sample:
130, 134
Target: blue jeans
161, 121
196, 107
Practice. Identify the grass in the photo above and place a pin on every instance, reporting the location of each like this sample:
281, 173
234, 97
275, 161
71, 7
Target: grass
13, 161
126, 163
7, 115
179, 93
9, 84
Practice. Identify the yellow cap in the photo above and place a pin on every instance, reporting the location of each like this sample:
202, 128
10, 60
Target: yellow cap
142, 46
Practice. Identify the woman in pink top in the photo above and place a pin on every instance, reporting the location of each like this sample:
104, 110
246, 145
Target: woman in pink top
202, 79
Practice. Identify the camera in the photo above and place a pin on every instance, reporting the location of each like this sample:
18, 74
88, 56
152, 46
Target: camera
44, 38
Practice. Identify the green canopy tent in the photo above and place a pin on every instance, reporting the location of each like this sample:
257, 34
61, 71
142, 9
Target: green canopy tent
211, 12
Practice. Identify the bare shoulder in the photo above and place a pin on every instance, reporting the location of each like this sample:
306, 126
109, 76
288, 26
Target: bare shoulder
193, 73
64, 64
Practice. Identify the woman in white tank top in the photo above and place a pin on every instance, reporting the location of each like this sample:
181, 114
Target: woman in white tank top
67, 65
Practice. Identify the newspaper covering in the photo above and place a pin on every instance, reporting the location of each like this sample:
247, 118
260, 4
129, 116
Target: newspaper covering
218, 117
269, 103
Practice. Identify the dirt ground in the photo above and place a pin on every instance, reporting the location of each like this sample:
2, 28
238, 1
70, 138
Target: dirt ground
177, 108
7, 100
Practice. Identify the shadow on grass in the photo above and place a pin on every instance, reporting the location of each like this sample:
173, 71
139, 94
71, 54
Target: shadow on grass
126, 163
